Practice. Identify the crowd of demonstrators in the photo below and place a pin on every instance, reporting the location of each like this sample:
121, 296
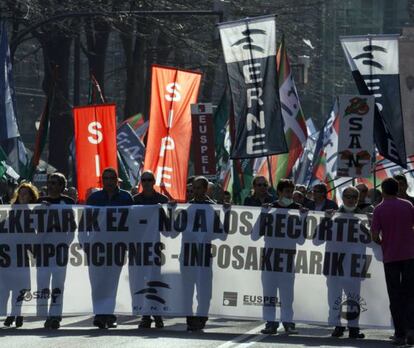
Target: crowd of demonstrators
392, 227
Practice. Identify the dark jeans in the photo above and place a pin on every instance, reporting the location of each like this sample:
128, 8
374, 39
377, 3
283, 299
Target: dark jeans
399, 276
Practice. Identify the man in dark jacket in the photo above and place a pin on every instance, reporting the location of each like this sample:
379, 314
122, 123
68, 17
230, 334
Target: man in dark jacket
200, 187
56, 184
260, 193
284, 189
149, 196
320, 201
110, 195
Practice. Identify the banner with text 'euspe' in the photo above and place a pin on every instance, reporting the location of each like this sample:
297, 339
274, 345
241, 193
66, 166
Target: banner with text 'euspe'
169, 133
95, 139
203, 148
271, 264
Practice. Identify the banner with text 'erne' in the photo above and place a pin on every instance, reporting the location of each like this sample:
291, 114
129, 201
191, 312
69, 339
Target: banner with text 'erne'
251, 263
249, 47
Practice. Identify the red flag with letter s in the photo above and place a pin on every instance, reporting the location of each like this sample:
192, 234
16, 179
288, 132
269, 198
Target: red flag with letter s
95, 139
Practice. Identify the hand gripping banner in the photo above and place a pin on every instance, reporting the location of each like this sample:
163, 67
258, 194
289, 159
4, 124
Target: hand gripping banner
375, 68
249, 49
95, 139
169, 134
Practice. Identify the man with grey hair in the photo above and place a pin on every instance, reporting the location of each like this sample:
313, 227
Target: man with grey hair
350, 198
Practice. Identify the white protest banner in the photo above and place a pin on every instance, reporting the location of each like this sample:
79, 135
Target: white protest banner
356, 135
191, 259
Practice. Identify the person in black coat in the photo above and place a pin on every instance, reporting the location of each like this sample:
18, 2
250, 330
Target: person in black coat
320, 201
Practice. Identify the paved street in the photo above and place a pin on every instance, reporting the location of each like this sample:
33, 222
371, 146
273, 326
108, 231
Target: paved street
223, 333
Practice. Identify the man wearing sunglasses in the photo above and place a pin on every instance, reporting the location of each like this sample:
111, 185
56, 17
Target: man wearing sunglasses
260, 193
320, 201
149, 196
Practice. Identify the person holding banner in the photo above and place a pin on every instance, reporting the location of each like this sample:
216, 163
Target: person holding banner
260, 193
52, 279
104, 284
193, 279
26, 193
284, 190
350, 198
363, 204
320, 201
392, 228
149, 196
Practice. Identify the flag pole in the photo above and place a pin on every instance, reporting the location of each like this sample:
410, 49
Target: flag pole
269, 168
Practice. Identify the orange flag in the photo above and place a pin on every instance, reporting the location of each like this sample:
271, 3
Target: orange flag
169, 134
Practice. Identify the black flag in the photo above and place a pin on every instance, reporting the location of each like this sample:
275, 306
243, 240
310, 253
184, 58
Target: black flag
249, 49
374, 64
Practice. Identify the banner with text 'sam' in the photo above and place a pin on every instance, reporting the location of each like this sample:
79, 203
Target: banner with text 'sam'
374, 64
249, 48
95, 139
169, 133
355, 139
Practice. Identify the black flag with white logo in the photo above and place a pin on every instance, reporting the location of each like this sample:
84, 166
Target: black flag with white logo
250, 54
374, 64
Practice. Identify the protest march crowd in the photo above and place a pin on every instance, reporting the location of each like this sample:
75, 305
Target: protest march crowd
391, 213
267, 122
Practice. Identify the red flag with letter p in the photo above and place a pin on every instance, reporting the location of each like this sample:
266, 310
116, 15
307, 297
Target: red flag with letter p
95, 139
169, 134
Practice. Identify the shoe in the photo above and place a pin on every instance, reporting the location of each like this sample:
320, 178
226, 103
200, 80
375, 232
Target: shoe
338, 332
145, 322
111, 321
410, 338
159, 323
194, 329
112, 325
398, 341
47, 323
54, 323
99, 321
270, 329
19, 321
8, 321
356, 335
291, 330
